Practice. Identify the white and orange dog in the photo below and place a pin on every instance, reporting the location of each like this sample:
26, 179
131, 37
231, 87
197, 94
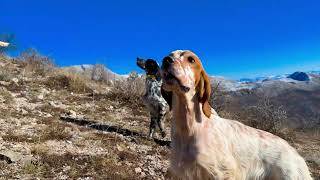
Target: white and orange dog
206, 146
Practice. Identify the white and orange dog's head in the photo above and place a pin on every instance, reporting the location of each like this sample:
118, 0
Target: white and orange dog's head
183, 73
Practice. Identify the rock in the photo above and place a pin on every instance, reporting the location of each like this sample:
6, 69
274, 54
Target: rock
48, 115
57, 105
138, 170
119, 148
40, 96
22, 111
152, 173
10, 156
5, 158
43, 93
4, 83
51, 103
22, 94
15, 80
143, 174
72, 114
27, 159
66, 168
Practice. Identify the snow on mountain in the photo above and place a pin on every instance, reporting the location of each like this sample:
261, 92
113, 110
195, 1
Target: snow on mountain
285, 80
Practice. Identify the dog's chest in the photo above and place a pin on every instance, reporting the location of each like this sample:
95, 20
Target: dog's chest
153, 88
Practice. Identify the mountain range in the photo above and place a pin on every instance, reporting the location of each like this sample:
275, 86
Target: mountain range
299, 79
298, 93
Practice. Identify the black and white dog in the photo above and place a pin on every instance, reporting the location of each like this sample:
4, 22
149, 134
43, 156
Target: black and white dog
156, 104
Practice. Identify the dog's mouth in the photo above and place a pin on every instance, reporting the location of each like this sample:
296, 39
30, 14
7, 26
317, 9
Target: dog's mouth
170, 79
169, 76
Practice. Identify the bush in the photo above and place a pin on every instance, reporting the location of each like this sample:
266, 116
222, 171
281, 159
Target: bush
267, 116
70, 81
98, 73
101, 74
6, 96
36, 63
133, 86
55, 131
5, 75
264, 114
218, 98
130, 90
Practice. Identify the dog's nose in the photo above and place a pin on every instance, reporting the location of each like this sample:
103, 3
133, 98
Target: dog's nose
167, 61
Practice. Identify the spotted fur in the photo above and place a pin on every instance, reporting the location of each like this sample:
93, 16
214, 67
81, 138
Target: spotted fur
153, 99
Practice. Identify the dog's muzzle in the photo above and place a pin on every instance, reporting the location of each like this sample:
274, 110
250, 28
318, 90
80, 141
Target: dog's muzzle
169, 77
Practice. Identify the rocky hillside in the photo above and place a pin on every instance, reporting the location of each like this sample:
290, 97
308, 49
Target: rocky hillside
60, 125
297, 93
64, 126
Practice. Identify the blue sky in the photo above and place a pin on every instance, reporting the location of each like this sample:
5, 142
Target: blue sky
234, 38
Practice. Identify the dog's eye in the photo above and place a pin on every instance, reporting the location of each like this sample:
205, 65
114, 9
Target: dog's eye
190, 59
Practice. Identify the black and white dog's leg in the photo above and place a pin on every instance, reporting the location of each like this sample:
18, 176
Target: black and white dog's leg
160, 120
153, 124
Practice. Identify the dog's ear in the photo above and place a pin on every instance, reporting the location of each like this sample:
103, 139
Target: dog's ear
141, 63
167, 96
204, 91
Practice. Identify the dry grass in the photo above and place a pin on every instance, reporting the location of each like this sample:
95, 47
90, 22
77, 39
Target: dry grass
134, 85
80, 166
70, 81
5, 75
129, 91
55, 111
56, 131
6, 95
10, 136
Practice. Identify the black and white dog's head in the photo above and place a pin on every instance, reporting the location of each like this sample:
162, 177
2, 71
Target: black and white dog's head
150, 66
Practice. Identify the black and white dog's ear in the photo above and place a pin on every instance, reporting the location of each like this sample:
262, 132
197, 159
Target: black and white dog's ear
141, 63
167, 96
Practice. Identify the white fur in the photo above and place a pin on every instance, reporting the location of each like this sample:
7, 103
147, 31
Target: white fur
218, 148
224, 149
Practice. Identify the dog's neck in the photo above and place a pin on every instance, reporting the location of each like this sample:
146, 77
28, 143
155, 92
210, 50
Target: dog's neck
187, 113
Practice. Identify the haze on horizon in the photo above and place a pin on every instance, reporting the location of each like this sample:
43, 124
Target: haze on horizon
235, 39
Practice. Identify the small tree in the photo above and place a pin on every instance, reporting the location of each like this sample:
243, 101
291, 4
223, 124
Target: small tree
219, 97
133, 86
98, 72
35, 62
267, 116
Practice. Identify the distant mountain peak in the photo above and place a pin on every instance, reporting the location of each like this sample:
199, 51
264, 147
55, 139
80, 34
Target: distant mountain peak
299, 76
